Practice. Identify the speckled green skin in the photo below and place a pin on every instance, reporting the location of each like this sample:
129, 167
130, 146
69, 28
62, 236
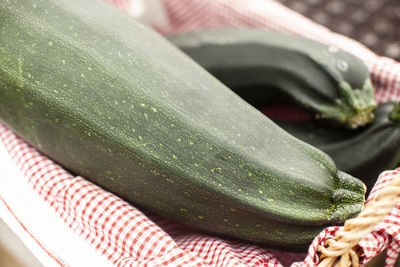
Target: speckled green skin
114, 102
364, 152
332, 84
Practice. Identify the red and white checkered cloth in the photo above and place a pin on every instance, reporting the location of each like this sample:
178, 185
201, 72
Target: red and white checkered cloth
128, 237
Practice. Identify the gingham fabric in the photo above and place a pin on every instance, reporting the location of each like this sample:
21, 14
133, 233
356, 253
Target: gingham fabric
130, 237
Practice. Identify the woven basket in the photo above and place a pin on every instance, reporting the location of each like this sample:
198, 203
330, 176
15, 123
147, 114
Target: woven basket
343, 250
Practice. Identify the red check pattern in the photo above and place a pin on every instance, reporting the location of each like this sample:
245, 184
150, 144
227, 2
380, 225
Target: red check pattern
129, 237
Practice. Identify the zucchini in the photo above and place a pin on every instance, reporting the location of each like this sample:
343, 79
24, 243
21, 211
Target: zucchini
332, 84
112, 100
364, 152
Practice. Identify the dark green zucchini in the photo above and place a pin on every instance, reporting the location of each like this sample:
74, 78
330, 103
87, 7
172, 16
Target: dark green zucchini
113, 101
364, 152
330, 83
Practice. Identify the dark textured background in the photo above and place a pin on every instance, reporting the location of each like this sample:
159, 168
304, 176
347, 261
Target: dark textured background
375, 23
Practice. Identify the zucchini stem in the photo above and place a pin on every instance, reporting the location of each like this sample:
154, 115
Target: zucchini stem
395, 113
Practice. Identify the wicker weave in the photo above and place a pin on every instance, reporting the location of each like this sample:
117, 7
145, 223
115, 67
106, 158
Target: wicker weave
343, 251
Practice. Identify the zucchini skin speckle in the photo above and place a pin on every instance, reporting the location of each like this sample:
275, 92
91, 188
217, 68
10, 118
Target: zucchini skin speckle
111, 100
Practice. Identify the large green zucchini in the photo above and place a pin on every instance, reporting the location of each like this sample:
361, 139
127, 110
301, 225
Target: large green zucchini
364, 152
111, 100
332, 84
